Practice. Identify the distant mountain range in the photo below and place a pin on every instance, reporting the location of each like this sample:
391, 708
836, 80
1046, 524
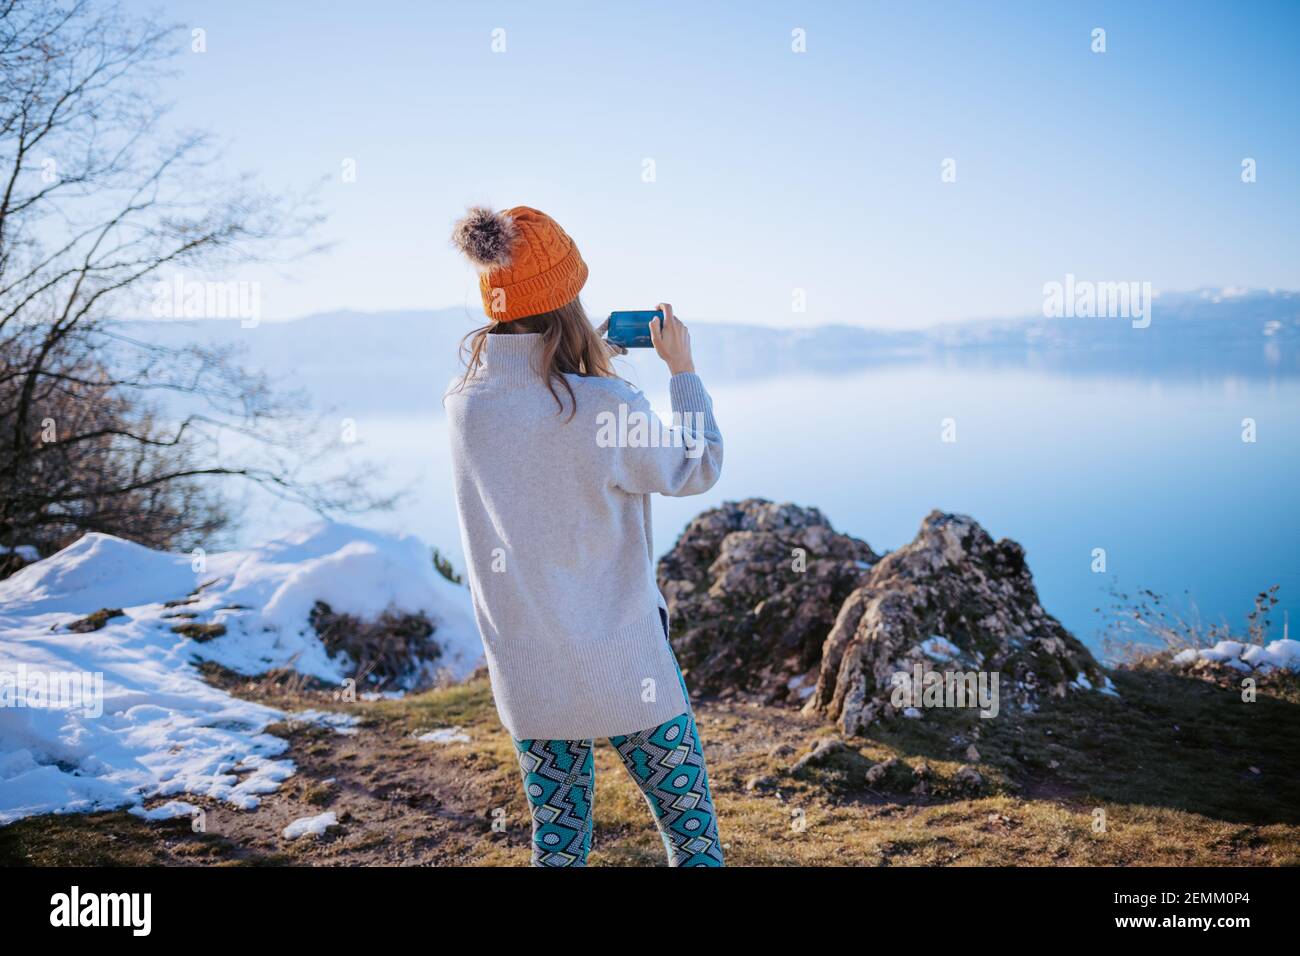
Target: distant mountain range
403, 360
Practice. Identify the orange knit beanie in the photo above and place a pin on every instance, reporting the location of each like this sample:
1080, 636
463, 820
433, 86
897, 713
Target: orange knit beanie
527, 264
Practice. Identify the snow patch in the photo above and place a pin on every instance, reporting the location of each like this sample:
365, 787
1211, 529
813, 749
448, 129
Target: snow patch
445, 735
97, 571
310, 826
114, 717
940, 648
802, 685
1283, 654
168, 811
341, 723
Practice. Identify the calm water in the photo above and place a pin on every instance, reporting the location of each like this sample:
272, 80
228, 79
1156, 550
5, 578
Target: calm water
1157, 474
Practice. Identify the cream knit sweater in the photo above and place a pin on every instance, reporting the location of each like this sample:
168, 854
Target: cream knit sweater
555, 523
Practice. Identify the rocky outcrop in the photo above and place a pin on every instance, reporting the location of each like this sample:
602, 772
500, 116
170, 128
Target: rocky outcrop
769, 599
951, 600
753, 588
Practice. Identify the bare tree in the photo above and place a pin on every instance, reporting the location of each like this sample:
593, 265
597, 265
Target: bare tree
98, 203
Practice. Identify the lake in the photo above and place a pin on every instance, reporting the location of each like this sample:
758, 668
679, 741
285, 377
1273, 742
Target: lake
1153, 471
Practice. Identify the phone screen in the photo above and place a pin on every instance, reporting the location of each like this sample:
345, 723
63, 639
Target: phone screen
632, 329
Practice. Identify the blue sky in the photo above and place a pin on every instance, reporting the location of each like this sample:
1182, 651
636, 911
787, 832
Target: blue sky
774, 170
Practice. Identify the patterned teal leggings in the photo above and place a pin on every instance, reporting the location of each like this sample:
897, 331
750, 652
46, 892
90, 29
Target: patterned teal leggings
666, 763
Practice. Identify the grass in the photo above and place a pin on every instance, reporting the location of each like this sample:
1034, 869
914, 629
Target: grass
1176, 771
199, 632
96, 620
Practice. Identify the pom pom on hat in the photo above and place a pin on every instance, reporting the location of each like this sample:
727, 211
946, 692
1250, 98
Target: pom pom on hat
486, 238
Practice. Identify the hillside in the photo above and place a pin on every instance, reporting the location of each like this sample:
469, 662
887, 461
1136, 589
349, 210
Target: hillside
228, 732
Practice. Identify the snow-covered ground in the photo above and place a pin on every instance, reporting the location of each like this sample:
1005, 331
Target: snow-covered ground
108, 718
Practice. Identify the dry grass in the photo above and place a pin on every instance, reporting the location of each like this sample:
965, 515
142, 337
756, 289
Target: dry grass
1184, 772
96, 620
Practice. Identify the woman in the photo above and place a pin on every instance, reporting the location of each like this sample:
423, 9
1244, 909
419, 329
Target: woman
554, 508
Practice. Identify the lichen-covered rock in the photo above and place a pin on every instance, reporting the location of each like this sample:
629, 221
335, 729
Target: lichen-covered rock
879, 771
968, 779
753, 588
822, 751
953, 599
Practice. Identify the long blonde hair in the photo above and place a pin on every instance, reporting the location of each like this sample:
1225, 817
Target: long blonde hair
570, 346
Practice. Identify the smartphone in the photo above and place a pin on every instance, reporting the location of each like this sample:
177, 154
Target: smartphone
632, 329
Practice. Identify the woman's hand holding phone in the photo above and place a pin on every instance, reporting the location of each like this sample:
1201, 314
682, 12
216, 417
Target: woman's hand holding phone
673, 343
